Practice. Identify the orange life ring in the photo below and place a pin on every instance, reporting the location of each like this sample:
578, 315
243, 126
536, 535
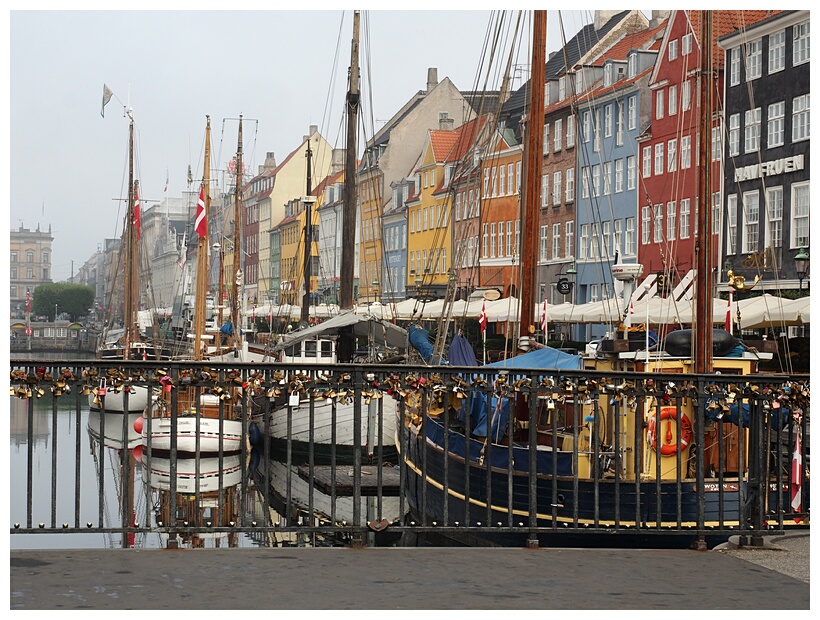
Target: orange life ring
668, 448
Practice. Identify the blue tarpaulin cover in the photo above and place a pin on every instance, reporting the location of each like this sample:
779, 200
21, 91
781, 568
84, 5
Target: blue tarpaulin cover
420, 340
461, 353
546, 357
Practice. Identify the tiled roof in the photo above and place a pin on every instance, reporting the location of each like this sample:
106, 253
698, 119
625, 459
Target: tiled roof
724, 22
643, 39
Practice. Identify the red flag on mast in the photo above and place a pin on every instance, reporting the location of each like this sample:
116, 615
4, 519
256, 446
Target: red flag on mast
729, 314
201, 225
482, 318
797, 475
137, 210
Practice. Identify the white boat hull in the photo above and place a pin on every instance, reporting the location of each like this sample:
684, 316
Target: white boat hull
187, 476
114, 402
323, 423
210, 438
113, 428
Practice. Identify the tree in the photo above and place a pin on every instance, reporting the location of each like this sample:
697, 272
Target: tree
49, 299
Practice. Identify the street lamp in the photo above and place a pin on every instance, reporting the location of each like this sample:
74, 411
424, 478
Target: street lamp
801, 265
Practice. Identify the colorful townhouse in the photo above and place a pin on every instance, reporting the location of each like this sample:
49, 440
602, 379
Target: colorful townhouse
766, 180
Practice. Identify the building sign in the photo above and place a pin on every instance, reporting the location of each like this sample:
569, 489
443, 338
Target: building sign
769, 168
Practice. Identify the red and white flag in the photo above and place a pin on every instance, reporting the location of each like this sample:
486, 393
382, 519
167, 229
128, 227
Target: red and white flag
201, 224
137, 209
797, 475
482, 318
544, 322
729, 313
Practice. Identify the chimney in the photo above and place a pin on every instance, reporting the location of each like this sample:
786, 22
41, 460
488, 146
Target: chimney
312, 130
432, 78
445, 123
658, 16
337, 162
602, 17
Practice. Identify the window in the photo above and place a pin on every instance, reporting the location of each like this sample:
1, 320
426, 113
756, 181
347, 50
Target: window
775, 124
30, 274
546, 138
734, 67
659, 100
629, 238
608, 121
596, 145
686, 95
631, 172
569, 189
556, 241
731, 224
583, 242
558, 136
632, 65
510, 177
501, 239
619, 175
606, 239
673, 99
751, 221
518, 177
544, 190
607, 178
485, 241
671, 221
45, 257
751, 131
800, 215
777, 52
509, 238
717, 150
570, 131
29, 256
685, 152
632, 111
494, 181
596, 180
562, 88
800, 47
14, 273
543, 246
646, 215
585, 182
716, 213
734, 135
774, 217
486, 182
657, 225
686, 44
517, 236
595, 242
608, 74
556, 188
593, 292
492, 240
659, 158
569, 238
13, 257
800, 118
617, 238
587, 126
672, 155
619, 125
647, 162
684, 218
673, 49
754, 59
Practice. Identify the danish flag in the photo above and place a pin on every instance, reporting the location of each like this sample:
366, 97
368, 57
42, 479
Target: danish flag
201, 224
482, 318
797, 475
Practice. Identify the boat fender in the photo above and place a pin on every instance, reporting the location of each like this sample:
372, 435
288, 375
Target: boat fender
669, 448
254, 435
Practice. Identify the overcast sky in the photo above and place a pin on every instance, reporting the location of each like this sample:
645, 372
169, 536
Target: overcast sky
282, 70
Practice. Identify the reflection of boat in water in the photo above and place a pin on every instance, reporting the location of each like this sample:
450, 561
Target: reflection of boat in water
110, 425
206, 491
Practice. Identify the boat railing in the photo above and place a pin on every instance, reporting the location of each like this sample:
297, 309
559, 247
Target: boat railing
598, 473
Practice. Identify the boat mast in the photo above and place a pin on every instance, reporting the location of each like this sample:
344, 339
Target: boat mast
305, 316
702, 329
349, 212
131, 257
530, 209
237, 247
202, 259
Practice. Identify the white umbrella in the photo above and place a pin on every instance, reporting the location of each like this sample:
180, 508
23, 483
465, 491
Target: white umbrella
772, 311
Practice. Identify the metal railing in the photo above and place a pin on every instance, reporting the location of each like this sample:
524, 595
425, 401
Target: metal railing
375, 454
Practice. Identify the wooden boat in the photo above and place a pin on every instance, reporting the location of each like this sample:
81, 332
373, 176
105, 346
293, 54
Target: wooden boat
610, 443
209, 417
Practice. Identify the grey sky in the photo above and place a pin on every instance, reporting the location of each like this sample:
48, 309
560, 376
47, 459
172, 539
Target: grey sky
282, 70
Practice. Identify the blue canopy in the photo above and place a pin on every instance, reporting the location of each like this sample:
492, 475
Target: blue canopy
461, 353
546, 357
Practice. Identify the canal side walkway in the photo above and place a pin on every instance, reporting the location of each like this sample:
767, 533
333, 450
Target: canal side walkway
772, 576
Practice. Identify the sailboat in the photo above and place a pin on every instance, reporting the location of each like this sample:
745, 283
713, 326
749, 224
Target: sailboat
605, 443
319, 412
209, 416
112, 394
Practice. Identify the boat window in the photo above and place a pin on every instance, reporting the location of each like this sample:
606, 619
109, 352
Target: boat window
327, 348
294, 350
310, 348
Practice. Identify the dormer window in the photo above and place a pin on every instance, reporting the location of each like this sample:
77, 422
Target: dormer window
562, 88
633, 65
608, 74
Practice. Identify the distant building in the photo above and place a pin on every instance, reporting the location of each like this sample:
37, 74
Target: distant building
30, 263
